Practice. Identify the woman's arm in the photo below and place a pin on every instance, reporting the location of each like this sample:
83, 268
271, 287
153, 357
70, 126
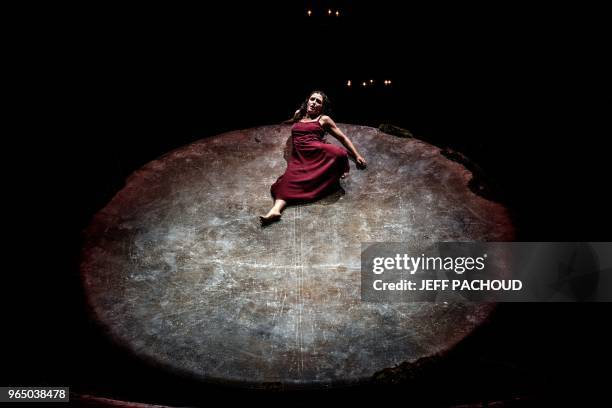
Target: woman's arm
329, 125
294, 119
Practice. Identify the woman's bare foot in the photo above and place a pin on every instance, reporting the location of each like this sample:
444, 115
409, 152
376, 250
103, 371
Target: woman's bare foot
269, 218
275, 212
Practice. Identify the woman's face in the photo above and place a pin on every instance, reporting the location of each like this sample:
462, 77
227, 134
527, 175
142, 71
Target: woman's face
315, 104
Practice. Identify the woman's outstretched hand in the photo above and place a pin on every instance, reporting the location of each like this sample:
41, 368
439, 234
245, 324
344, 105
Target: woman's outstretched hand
361, 162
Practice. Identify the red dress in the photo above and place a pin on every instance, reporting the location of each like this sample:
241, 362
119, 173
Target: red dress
314, 168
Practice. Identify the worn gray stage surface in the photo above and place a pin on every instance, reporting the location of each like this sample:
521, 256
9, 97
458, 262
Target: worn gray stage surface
178, 270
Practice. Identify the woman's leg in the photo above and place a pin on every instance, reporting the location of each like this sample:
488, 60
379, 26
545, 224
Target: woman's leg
275, 212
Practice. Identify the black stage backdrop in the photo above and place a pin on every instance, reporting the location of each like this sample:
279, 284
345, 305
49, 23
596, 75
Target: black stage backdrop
102, 90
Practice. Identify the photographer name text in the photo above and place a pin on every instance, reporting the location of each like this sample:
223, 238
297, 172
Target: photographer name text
450, 284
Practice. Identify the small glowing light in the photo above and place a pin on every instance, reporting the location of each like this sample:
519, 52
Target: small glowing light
309, 13
387, 82
371, 81
337, 13
364, 83
348, 83
329, 12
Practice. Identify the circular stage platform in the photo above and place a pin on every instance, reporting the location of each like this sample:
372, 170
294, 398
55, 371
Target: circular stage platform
178, 270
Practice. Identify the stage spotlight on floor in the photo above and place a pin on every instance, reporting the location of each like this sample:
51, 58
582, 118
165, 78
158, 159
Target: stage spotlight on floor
178, 270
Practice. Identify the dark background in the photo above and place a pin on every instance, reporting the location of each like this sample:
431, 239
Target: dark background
101, 90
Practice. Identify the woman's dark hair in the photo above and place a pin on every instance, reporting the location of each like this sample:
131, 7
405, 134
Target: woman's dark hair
325, 110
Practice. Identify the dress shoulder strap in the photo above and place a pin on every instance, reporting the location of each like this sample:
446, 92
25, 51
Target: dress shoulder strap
319, 120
